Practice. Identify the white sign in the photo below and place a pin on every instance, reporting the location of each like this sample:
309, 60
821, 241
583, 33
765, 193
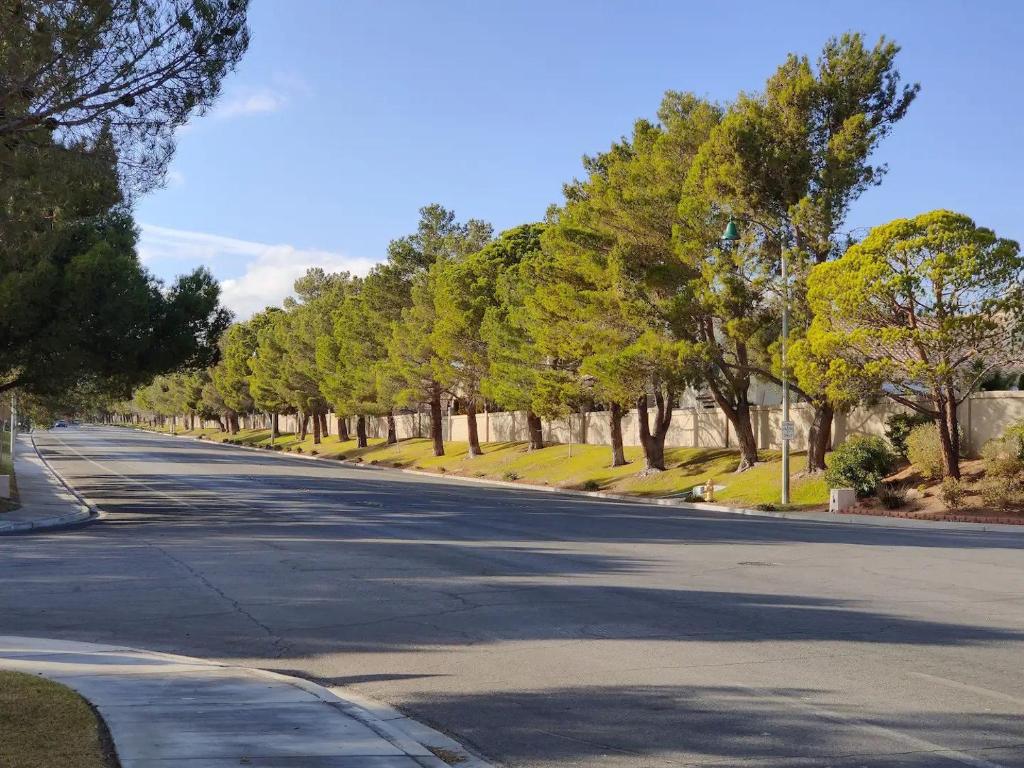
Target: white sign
788, 430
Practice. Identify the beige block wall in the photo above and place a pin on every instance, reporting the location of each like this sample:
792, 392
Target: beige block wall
984, 416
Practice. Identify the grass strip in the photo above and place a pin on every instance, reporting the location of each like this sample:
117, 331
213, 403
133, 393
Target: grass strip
44, 725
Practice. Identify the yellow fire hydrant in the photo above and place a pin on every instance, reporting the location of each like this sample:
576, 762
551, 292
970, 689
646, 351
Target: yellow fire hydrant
709, 490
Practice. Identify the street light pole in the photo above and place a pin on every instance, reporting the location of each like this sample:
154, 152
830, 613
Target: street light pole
787, 426
730, 236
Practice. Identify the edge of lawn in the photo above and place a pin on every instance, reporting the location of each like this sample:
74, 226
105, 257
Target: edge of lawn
47, 724
564, 467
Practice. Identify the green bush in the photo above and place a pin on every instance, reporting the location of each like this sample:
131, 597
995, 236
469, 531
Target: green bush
591, 485
510, 476
861, 463
952, 493
1016, 432
898, 427
1001, 492
924, 449
1002, 457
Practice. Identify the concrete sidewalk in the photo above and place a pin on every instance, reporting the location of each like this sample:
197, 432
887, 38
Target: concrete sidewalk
181, 712
45, 501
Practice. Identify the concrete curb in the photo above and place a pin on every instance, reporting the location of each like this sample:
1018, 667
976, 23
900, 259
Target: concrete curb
877, 521
413, 738
86, 513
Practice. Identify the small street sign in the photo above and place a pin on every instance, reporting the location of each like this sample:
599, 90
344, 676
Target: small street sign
788, 430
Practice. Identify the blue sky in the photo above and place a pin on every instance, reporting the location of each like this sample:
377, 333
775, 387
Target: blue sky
346, 116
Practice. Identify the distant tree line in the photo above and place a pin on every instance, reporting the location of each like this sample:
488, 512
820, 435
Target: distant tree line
626, 293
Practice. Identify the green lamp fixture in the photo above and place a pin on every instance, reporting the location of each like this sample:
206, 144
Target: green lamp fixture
731, 233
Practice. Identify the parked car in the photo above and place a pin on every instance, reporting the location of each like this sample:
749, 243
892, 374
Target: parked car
59, 424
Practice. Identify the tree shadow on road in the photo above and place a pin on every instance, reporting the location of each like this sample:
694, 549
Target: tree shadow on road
716, 726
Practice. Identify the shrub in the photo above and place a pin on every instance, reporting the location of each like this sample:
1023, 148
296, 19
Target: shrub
952, 493
510, 476
1002, 458
898, 427
860, 463
1001, 492
892, 495
591, 485
298, 449
924, 450
1015, 434
314, 452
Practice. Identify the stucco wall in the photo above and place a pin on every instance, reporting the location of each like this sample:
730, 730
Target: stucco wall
983, 416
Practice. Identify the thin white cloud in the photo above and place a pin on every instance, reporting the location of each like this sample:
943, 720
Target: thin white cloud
267, 271
250, 103
175, 178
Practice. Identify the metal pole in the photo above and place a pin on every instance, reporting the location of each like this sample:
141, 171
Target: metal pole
785, 377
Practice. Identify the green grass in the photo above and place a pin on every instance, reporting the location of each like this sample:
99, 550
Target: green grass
44, 725
579, 466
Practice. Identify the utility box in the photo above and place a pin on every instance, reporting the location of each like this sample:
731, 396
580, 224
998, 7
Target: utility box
5, 486
841, 499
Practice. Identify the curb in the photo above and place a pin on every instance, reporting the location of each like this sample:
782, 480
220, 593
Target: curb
86, 513
411, 736
850, 518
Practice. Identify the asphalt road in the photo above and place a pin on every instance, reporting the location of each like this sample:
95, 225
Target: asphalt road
541, 629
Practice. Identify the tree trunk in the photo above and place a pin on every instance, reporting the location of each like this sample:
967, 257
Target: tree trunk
471, 428
738, 414
819, 438
316, 429
361, 431
220, 425
436, 425
325, 429
949, 435
275, 426
303, 425
536, 431
654, 443
343, 435
615, 430
392, 429
745, 435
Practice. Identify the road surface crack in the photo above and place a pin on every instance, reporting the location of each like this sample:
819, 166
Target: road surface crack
280, 648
